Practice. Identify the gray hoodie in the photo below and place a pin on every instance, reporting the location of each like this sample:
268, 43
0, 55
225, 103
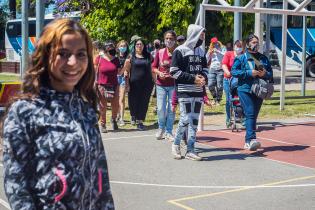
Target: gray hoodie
187, 62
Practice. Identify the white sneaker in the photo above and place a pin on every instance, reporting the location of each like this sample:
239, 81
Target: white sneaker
176, 152
254, 145
159, 134
193, 156
169, 137
246, 146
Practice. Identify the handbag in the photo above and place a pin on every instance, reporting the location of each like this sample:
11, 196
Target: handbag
108, 92
261, 88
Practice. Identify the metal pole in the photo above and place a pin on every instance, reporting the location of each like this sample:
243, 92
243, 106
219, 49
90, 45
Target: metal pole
24, 35
40, 15
303, 56
258, 24
201, 115
268, 31
284, 55
237, 22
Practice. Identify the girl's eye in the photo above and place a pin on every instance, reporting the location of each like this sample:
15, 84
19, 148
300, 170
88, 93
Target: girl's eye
82, 55
64, 54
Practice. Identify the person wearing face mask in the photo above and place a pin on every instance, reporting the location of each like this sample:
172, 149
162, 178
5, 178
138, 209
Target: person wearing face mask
214, 57
189, 69
165, 86
107, 68
157, 46
248, 66
227, 63
138, 68
122, 48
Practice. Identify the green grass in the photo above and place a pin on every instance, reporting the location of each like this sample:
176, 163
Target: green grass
294, 108
7, 77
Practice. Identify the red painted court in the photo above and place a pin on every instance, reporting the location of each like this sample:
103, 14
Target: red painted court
289, 143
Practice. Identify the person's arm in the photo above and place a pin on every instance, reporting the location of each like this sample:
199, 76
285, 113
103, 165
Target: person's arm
17, 159
106, 197
225, 61
155, 66
177, 73
127, 67
239, 72
174, 101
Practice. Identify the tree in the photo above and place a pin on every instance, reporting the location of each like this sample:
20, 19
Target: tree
120, 19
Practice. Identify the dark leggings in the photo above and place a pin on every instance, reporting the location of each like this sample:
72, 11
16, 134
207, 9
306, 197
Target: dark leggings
138, 99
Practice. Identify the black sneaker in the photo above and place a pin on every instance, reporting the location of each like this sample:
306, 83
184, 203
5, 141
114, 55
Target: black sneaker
140, 127
114, 125
133, 120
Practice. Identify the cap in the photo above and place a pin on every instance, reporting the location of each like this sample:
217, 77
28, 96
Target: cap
181, 38
214, 40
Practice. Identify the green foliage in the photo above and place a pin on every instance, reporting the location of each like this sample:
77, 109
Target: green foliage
120, 19
3, 16
221, 24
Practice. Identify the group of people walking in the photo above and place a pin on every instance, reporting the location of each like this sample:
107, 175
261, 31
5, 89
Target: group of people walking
53, 152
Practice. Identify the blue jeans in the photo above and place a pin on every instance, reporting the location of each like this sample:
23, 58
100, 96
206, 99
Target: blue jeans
215, 84
251, 106
189, 115
164, 107
226, 87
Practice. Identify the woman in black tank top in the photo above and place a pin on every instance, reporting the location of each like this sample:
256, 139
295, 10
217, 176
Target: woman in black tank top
141, 84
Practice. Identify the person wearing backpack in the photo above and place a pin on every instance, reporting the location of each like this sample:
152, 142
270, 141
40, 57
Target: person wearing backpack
249, 67
165, 87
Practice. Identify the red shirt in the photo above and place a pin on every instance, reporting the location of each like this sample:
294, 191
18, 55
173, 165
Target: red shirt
228, 60
163, 66
107, 71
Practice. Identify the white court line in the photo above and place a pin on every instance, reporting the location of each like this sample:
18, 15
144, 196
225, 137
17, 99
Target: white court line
4, 203
268, 139
127, 137
213, 187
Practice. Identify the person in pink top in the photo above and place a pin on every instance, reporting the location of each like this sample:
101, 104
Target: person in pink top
227, 63
107, 67
165, 86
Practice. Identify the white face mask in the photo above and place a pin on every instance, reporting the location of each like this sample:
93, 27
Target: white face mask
238, 50
169, 43
101, 54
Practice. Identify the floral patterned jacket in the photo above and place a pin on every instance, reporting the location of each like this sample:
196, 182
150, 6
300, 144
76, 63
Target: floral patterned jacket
53, 155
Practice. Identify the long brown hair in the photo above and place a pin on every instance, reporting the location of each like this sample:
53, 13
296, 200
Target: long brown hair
46, 48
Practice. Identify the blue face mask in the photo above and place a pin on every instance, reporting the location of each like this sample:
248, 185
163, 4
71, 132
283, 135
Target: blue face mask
122, 49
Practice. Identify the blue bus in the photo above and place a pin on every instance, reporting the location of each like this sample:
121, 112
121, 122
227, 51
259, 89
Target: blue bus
294, 39
13, 35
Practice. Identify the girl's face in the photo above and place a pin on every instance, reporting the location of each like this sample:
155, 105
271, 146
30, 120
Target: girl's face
253, 45
169, 40
139, 46
70, 64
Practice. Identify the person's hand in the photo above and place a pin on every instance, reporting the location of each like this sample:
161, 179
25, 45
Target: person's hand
228, 74
262, 73
161, 75
200, 80
173, 108
255, 73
